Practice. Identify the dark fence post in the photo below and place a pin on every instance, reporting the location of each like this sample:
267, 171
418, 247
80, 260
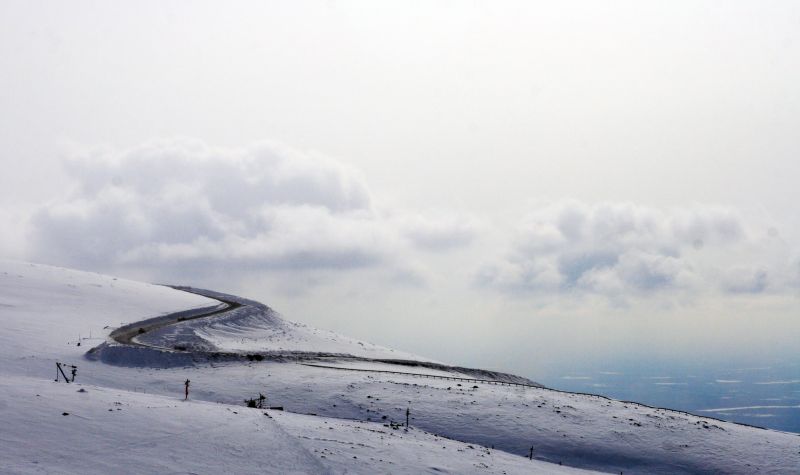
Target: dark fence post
61, 370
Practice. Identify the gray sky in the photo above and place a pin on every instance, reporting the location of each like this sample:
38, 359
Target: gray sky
568, 179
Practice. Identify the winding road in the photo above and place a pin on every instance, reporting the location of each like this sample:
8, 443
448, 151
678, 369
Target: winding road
127, 336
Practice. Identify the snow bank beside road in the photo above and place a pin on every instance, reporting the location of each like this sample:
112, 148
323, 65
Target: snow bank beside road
256, 328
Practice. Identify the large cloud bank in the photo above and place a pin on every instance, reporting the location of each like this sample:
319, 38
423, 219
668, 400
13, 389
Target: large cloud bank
181, 203
179, 207
622, 249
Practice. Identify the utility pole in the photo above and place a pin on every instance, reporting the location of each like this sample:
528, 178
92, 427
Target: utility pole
408, 411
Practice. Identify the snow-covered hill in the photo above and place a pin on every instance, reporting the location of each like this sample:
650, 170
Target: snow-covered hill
255, 328
132, 419
342, 398
84, 429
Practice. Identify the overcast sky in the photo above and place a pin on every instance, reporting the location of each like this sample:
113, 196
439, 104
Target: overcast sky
522, 185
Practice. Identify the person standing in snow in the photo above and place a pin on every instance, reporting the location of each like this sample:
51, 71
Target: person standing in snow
186, 384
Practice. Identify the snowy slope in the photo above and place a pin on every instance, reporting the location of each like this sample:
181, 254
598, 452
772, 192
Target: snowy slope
250, 329
254, 327
577, 430
45, 310
116, 425
112, 431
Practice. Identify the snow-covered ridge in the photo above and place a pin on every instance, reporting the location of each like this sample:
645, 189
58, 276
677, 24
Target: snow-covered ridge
254, 328
104, 422
335, 420
238, 327
85, 429
49, 311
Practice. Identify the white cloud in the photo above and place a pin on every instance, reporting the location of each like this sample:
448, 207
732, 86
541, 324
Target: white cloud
180, 207
180, 201
180, 204
619, 249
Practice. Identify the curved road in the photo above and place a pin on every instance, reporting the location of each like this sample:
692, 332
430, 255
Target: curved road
126, 335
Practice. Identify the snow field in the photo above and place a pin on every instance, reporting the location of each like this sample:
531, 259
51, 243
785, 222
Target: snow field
43, 309
51, 427
118, 424
578, 430
112, 431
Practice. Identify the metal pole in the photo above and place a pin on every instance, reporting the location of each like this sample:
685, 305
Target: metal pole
58, 365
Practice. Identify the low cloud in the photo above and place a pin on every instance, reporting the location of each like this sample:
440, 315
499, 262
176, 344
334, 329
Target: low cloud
180, 205
182, 202
178, 208
623, 249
